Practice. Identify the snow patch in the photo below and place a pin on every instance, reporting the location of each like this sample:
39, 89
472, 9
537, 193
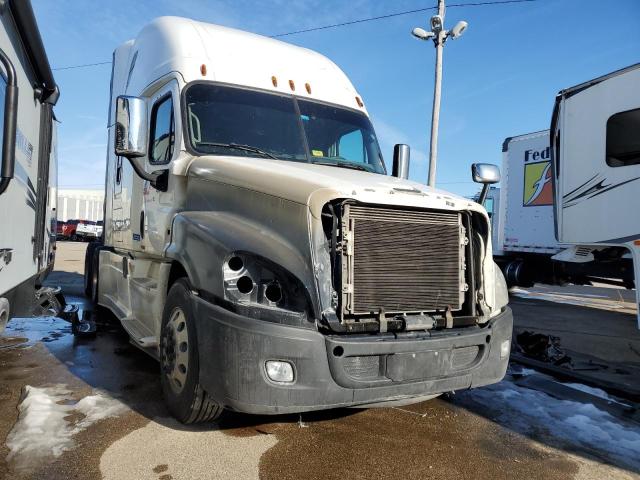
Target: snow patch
596, 392
580, 425
570, 299
46, 426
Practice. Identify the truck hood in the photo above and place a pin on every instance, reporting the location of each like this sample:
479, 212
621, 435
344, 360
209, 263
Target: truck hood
315, 185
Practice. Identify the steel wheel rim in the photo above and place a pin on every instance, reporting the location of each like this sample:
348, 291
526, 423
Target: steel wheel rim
175, 352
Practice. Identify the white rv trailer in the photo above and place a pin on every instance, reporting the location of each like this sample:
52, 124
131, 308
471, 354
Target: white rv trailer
595, 140
254, 244
524, 241
28, 171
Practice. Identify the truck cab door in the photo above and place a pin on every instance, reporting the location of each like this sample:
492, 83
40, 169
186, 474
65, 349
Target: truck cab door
152, 209
596, 160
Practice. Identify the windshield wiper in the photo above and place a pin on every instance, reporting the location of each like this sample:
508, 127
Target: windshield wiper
352, 166
237, 146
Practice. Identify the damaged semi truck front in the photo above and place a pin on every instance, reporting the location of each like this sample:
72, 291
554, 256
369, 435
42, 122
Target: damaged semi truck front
254, 244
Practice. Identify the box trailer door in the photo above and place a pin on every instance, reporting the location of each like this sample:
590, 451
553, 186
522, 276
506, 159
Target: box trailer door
596, 139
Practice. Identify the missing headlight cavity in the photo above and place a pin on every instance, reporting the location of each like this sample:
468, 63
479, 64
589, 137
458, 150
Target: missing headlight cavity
235, 264
244, 284
273, 292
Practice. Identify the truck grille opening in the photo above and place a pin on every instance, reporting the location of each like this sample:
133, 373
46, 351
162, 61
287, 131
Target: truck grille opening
401, 261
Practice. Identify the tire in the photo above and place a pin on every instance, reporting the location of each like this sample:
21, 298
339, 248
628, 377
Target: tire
88, 268
179, 362
94, 280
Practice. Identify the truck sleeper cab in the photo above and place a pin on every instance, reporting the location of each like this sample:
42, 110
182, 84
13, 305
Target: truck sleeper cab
254, 244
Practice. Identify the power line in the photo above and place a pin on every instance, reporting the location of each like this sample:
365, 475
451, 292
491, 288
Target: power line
84, 65
344, 24
353, 22
398, 14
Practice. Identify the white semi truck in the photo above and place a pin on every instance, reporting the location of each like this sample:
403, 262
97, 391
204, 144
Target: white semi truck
255, 245
595, 146
522, 217
28, 175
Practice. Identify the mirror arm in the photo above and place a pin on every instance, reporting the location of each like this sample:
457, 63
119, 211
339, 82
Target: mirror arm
158, 179
483, 194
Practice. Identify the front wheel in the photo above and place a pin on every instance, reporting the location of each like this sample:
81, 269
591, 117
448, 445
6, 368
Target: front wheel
179, 362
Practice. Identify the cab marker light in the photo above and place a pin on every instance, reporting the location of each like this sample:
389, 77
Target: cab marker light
359, 102
308, 87
292, 85
274, 80
203, 70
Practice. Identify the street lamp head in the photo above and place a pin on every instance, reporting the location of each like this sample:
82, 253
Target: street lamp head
436, 23
421, 33
459, 29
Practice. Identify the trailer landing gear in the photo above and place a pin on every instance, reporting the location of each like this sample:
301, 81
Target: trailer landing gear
50, 301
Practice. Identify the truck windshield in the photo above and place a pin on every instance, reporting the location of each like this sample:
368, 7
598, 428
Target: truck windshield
225, 120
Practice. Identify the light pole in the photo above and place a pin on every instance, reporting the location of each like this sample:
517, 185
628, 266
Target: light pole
439, 36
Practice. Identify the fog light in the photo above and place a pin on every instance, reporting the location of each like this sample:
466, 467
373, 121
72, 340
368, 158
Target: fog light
279, 371
504, 348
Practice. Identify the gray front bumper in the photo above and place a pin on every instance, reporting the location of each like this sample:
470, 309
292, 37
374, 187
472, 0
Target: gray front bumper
329, 371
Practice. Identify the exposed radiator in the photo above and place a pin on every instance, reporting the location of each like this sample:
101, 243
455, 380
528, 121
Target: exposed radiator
401, 261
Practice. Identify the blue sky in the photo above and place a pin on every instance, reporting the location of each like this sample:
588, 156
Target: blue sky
500, 78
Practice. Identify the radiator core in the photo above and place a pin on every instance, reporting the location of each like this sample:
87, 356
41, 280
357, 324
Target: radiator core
401, 261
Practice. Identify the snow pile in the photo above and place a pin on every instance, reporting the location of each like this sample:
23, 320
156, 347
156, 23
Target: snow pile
46, 426
579, 425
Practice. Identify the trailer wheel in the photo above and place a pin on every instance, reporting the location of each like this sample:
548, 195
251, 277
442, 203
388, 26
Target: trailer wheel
179, 365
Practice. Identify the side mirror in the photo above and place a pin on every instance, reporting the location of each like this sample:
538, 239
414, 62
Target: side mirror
487, 174
131, 127
401, 157
131, 138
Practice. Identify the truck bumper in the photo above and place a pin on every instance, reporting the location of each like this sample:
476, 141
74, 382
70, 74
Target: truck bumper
340, 370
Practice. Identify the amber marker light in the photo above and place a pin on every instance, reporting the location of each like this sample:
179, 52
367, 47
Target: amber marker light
308, 87
274, 80
203, 70
292, 85
359, 102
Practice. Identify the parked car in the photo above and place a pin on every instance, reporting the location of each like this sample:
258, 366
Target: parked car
60, 229
69, 230
99, 227
89, 230
86, 230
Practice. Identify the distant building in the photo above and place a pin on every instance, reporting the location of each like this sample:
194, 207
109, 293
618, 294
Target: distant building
80, 204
